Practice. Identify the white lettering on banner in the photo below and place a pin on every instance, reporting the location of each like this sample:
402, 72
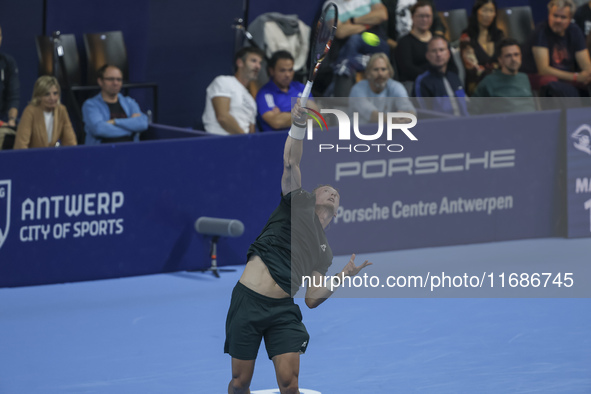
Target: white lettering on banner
344, 123
361, 148
422, 165
35, 232
583, 185
479, 204
91, 204
98, 227
401, 210
88, 205
588, 206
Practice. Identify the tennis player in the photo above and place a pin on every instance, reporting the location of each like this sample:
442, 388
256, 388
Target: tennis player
291, 245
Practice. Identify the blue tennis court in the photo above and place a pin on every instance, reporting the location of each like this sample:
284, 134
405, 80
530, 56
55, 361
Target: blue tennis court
164, 334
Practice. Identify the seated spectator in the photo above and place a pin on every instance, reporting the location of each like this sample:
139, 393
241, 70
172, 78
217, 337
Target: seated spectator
478, 41
411, 50
440, 89
510, 88
109, 116
583, 18
45, 121
379, 84
559, 59
274, 98
9, 88
229, 106
400, 20
356, 18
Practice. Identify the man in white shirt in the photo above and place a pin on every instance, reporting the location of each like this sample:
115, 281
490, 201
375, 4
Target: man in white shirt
229, 106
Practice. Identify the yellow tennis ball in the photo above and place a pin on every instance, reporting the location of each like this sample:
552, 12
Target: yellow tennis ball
370, 39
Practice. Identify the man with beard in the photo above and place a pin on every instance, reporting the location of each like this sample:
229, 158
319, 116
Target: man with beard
379, 92
510, 87
229, 106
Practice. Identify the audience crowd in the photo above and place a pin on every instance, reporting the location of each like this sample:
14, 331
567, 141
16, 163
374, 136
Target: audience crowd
383, 49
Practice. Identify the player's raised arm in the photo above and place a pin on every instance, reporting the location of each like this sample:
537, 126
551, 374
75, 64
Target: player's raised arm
292, 152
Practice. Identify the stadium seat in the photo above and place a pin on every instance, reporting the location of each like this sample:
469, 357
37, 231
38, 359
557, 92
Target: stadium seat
455, 22
516, 22
103, 48
45, 52
109, 48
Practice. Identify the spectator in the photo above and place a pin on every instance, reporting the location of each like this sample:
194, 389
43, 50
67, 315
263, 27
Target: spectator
9, 88
478, 41
411, 50
45, 122
355, 19
274, 98
379, 92
400, 20
511, 89
438, 88
559, 59
583, 18
229, 106
109, 116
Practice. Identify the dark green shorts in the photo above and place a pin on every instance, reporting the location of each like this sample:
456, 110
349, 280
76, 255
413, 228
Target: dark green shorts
253, 316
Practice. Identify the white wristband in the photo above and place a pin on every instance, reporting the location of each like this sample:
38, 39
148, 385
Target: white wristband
297, 132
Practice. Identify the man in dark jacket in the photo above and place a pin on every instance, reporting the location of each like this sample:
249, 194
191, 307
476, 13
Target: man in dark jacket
440, 89
9, 88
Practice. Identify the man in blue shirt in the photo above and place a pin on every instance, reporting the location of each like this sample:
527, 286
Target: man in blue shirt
274, 98
109, 116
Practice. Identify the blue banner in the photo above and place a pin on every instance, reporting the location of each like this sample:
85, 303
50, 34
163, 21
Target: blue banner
463, 180
82, 213
578, 150
85, 213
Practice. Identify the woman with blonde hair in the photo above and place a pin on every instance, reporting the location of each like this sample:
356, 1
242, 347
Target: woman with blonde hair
45, 121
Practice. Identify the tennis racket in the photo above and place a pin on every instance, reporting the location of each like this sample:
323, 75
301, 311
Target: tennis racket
323, 36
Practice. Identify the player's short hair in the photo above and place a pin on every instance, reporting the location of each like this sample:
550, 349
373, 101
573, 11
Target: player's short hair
560, 4
329, 185
419, 4
42, 86
505, 42
100, 73
245, 51
373, 59
282, 54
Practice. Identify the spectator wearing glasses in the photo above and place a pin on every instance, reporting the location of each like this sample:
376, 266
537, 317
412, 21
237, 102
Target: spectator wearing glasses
109, 116
411, 50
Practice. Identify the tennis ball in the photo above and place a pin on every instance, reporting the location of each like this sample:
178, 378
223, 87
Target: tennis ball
370, 39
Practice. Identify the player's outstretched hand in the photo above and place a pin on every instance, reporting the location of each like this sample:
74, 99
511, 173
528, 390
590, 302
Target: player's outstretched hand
351, 269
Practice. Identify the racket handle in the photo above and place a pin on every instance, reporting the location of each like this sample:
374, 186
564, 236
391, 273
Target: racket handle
306, 93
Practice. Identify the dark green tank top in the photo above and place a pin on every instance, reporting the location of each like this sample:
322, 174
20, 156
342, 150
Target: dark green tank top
292, 243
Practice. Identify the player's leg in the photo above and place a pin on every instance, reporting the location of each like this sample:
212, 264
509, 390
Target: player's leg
243, 338
287, 370
242, 371
285, 340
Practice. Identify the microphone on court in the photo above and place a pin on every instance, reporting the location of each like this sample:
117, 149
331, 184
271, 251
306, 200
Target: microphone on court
219, 227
